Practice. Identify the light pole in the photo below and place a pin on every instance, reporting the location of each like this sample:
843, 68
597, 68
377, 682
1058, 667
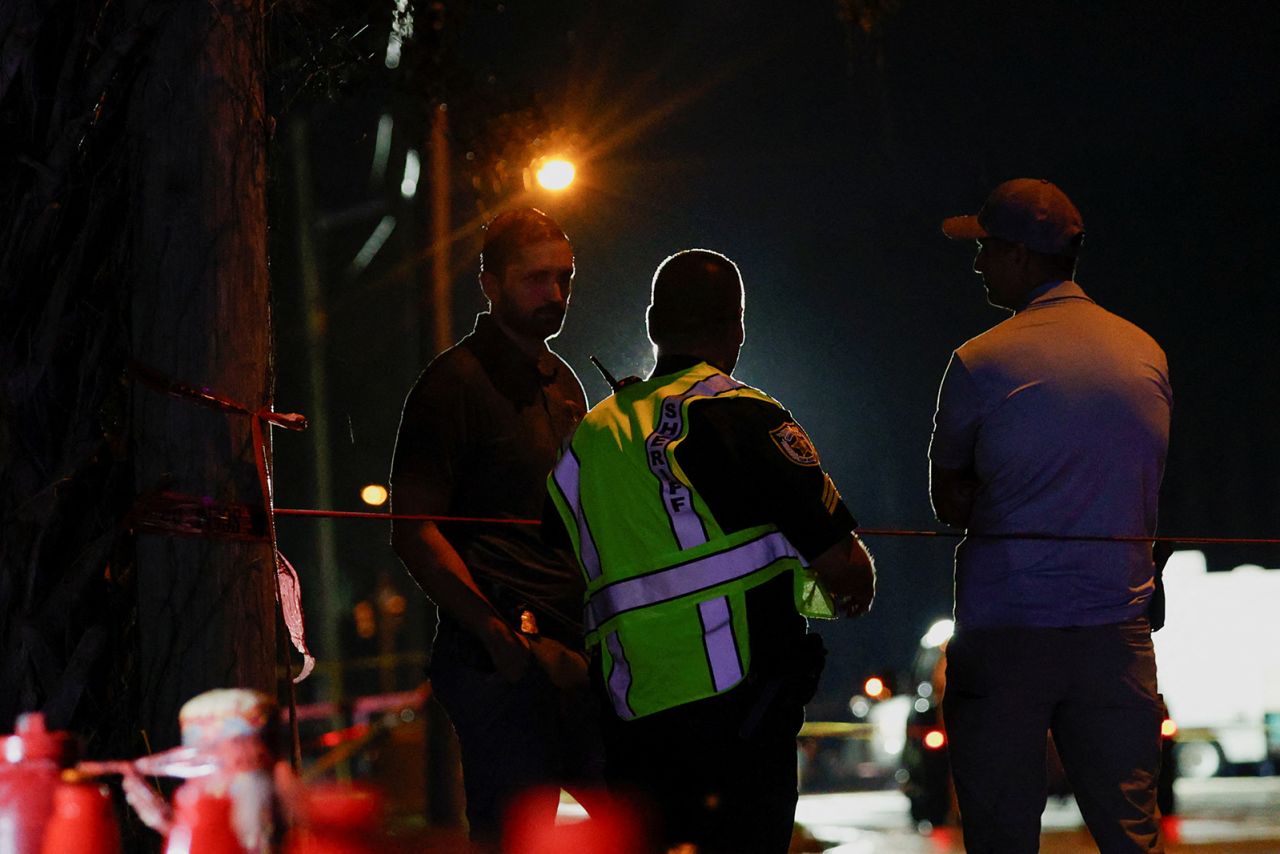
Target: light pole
441, 293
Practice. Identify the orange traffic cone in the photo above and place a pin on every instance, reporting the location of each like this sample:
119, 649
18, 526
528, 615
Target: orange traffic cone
339, 820
203, 826
83, 821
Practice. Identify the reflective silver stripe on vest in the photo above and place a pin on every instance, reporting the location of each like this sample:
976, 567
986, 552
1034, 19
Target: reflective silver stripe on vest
566, 477
685, 578
676, 497
722, 649
619, 677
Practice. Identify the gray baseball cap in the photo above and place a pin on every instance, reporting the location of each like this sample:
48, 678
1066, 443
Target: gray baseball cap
1030, 211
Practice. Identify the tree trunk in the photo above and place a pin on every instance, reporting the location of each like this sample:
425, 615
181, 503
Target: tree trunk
201, 316
133, 229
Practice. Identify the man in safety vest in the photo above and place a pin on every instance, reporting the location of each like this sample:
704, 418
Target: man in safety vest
707, 531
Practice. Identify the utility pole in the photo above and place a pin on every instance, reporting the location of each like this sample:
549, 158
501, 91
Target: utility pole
444, 808
316, 309
441, 272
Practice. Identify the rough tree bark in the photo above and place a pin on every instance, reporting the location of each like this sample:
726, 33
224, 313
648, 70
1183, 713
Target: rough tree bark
201, 315
132, 231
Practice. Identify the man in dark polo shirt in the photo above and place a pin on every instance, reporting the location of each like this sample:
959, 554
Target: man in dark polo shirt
480, 431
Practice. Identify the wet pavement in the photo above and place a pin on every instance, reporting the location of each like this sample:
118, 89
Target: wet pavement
1228, 815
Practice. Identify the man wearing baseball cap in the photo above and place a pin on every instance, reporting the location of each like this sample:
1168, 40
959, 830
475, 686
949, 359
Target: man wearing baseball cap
1053, 423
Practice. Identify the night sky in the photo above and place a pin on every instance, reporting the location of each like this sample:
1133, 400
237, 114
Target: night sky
821, 157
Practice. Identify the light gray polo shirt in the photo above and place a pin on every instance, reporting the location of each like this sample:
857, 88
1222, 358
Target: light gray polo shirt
1062, 412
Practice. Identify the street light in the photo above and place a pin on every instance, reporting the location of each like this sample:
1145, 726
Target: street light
555, 173
375, 495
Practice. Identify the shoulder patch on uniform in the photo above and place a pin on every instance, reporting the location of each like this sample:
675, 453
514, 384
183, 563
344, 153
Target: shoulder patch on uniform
795, 444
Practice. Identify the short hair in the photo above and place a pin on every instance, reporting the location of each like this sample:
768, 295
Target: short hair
696, 293
511, 230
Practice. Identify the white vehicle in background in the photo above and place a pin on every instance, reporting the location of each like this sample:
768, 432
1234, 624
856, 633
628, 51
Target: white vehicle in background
861, 753
886, 714
1219, 665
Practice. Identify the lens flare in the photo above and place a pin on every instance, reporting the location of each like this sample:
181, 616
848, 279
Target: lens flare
556, 174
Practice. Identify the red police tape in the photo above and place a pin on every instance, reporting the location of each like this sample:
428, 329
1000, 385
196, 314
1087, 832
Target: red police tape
150, 513
172, 514
862, 532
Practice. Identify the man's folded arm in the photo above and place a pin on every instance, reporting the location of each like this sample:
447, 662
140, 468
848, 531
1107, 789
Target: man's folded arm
442, 574
952, 481
951, 491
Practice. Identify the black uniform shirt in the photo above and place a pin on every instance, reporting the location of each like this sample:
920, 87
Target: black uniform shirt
753, 465
746, 459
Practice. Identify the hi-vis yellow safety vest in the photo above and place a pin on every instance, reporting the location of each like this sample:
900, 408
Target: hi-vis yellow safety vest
666, 586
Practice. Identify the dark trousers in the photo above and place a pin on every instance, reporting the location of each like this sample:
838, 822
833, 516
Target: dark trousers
519, 741
706, 781
1094, 688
